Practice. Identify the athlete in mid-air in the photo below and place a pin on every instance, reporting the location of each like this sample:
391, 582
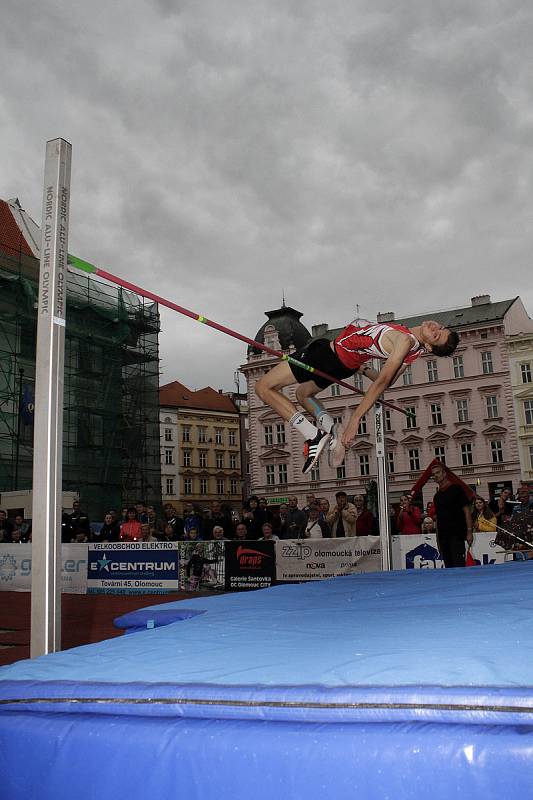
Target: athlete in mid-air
347, 354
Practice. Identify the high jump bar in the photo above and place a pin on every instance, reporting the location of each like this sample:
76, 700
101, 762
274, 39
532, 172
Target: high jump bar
85, 266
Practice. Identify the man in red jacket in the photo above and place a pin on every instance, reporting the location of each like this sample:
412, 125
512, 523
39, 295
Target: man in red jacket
409, 519
366, 523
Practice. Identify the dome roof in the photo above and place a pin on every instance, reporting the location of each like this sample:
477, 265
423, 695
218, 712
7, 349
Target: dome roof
286, 321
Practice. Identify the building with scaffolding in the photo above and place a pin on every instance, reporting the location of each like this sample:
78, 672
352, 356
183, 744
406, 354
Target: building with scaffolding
111, 448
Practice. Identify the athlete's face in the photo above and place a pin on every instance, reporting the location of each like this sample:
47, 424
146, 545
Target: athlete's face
434, 333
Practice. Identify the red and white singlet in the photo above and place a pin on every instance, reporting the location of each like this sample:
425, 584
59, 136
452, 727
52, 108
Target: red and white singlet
357, 344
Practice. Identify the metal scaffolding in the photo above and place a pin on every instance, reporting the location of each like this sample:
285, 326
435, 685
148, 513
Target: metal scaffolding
111, 449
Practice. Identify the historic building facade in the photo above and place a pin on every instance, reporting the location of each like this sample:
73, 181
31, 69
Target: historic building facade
521, 366
462, 410
200, 447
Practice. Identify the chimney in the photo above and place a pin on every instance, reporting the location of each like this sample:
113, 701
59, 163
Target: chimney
319, 330
385, 316
481, 299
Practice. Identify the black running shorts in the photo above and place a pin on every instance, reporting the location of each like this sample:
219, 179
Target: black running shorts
319, 354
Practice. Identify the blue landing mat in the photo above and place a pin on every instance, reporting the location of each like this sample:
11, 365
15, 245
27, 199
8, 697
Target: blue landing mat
365, 686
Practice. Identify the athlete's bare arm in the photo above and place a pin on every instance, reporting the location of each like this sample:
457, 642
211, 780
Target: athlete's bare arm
400, 344
372, 374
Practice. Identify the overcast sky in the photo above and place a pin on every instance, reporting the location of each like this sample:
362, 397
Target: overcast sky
348, 152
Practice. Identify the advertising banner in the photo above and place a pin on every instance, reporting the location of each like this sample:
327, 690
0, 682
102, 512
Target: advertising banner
315, 559
202, 566
250, 565
15, 568
132, 568
421, 551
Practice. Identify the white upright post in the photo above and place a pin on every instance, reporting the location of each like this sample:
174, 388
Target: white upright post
383, 490
48, 426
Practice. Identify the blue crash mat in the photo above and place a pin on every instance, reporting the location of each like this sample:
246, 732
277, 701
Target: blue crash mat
407, 684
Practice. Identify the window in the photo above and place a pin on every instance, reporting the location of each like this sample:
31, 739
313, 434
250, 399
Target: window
187, 486
440, 453
220, 485
282, 473
232, 435
358, 381
341, 472
362, 429
91, 356
531, 456
280, 433
267, 431
337, 420
486, 363
187, 458
219, 435
410, 417
169, 455
458, 367
270, 474
232, 461
186, 433
414, 459
390, 463
364, 464
202, 435
170, 485
462, 410
408, 376
525, 372
528, 411
467, 458
203, 485
492, 406
233, 486
433, 372
388, 420
203, 458
436, 414
315, 472
219, 460
168, 434
496, 451
335, 390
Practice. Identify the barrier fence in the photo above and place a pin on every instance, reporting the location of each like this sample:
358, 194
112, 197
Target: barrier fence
162, 567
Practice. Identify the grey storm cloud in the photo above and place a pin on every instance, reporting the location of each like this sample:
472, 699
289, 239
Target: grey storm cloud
363, 153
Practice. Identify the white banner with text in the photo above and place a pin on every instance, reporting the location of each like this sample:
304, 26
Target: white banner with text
421, 551
15, 568
315, 559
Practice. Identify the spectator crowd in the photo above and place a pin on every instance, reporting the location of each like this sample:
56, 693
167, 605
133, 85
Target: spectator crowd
317, 519
486, 516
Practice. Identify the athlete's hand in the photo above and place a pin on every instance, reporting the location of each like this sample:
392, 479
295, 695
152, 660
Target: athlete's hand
350, 432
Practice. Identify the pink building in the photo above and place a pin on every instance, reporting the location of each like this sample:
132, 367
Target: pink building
463, 410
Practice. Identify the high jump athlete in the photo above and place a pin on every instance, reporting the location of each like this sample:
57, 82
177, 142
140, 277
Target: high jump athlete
349, 353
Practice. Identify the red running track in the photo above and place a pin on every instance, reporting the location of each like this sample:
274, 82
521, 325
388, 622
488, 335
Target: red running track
84, 619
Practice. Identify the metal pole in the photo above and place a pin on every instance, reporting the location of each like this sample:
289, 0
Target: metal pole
383, 489
19, 421
48, 428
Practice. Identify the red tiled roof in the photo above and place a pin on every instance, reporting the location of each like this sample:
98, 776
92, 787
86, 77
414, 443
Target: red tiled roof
12, 242
177, 395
